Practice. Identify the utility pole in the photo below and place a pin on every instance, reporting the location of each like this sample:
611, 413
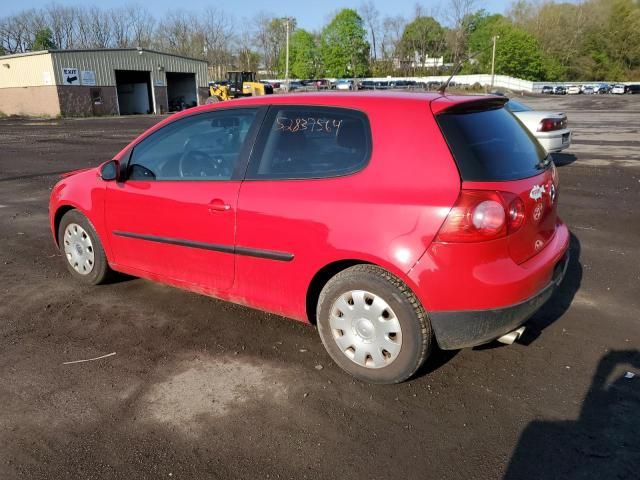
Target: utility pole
286, 68
493, 61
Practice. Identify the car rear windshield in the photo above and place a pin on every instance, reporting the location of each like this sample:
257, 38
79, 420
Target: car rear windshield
492, 145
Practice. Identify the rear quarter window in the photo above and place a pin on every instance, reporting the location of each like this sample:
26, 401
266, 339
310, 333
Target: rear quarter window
492, 145
299, 142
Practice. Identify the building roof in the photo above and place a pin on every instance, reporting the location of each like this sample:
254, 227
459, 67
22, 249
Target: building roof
81, 50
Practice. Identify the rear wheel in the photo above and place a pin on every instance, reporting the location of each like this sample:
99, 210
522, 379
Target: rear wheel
372, 325
81, 248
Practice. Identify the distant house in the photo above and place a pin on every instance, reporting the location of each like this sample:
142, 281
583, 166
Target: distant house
417, 62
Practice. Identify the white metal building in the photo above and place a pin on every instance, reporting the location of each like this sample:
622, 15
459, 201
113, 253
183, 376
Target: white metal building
100, 82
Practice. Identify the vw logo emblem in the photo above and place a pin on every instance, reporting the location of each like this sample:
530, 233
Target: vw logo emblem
537, 212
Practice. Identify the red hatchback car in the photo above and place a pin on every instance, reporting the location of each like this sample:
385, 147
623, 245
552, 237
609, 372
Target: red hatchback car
387, 219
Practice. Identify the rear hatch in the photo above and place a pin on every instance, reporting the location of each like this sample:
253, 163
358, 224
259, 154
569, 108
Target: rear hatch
494, 151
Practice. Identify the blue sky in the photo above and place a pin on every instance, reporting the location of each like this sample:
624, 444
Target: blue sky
311, 14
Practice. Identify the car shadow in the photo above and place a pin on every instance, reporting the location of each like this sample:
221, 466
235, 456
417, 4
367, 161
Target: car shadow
118, 277
562, 298
556, 306
551, 311
437, 359
563, 159
601, 443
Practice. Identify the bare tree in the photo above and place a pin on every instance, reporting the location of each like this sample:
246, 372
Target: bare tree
262, 22
458, 15
61, 21
142, 26
270, 37
24, 27
218, 36
100, 28
12, 35
174, 33
371, 17
248, 58
392, 28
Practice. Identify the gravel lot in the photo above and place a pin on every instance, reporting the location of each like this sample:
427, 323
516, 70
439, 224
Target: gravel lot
204, 389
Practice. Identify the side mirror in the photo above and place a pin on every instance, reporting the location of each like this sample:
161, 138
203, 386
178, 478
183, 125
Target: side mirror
109, 171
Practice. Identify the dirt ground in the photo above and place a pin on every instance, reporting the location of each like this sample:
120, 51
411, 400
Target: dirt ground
199, 388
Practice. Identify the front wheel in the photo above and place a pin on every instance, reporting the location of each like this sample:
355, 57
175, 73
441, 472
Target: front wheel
373, 325
81, 248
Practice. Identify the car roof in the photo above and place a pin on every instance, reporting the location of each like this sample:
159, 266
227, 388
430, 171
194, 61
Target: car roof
346, 99
354, 100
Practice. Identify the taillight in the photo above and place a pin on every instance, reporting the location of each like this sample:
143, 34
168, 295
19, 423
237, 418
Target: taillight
554, 174
481, 215
550, 124
488, 216
516, 214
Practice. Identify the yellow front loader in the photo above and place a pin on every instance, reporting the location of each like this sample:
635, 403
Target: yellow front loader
238, 84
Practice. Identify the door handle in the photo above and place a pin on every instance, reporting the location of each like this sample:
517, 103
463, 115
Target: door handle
218, 205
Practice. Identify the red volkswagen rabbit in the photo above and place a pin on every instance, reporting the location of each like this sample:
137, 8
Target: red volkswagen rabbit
389, 220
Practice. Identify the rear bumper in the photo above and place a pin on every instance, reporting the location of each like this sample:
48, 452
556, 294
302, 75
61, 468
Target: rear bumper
555, 141
461, 329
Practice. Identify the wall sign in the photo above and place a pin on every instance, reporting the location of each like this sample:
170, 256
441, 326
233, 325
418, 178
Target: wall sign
70, 76
88, 77
158, 82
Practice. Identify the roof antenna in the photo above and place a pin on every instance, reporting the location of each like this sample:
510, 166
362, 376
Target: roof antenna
458, 66
456, 69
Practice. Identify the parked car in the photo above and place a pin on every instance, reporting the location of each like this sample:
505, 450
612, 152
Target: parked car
322, 84
602, 89
367, 85
633, 89
574, 90
547, 90
560, 90
293, 85
392, 221
549, 128
273, 83
588, 90
619, 89
398, 84
344, 84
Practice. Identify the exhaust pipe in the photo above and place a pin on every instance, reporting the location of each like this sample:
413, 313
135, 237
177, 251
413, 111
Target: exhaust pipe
511, 337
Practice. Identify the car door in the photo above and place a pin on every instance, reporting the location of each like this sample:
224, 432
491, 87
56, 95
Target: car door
299, 182
173, 216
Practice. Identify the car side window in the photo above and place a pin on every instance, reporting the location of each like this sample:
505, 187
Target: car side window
311, 142
204, 146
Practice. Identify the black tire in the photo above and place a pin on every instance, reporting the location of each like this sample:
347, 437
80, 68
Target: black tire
413, 320
100, 271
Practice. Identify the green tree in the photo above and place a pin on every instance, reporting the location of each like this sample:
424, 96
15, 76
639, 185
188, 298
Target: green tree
519, 55
304, 59
423, 37
43, 40
517, 52
483, 27
623, 37
343, 46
